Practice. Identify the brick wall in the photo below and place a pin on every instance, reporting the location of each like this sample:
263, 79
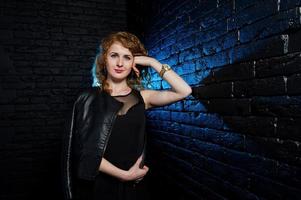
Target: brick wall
238, 135
47, 49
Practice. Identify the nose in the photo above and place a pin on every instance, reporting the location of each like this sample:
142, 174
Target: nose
120, 62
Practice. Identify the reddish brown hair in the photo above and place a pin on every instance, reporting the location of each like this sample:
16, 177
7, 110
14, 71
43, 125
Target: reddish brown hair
130, 42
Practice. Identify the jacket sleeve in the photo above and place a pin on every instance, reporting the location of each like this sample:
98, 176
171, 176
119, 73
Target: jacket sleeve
66, 155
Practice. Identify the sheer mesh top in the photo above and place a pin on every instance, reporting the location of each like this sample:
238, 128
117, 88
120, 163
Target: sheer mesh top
128, 100
126, 140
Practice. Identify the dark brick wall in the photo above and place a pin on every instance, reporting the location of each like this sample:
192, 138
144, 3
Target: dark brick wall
238, 135
47, 49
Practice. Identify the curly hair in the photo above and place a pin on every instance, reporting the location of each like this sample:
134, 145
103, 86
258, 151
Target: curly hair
130, 42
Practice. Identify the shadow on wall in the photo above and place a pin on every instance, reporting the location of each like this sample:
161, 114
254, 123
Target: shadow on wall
244, 128
257, 99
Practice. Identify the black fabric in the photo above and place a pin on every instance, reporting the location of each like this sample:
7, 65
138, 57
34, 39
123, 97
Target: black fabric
124, 147
125, 144
109, 188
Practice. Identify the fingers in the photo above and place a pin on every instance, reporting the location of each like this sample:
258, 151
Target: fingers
136, 71
142, 60
139, 160
145, 168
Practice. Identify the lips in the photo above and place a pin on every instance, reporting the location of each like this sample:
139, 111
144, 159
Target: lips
118, 70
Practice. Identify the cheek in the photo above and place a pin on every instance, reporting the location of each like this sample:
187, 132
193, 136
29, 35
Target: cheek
129, 63
109, 60
110, 63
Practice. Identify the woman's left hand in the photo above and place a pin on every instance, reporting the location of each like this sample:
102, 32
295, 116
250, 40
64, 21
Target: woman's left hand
142, 61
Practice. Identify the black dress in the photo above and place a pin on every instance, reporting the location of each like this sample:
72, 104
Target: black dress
124, 147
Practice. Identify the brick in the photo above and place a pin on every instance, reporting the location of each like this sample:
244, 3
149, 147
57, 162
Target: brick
162, 54
207, 149
185, 68
288, 4
214, 16
255, 12
174, 141
213, 32
272, 25
237, 107
271, 189
207, 77
288, 175
182, 153
189, 54
216, 60
266, 86
200, 10
273, 148
177, 106
168, 41
283, 65
244, 4
233, 72
8, 134
159, 115
284, 106
221, 43
196, 78
292, 84
294, 39
226, 172
7, 96
187, 42
171, 60
201, 119
273, 46
223, 138
194, 105
187, 183
289, 128
253, 125
252, 164
222, 188
213, 91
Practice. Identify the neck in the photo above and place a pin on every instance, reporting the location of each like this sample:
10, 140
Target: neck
117, 86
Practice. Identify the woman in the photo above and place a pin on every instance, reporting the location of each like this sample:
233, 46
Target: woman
104, 149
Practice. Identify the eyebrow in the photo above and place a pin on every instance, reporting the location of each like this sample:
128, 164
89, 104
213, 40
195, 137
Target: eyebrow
118, 53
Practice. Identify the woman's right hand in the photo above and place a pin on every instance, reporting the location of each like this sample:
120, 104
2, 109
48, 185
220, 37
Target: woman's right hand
135, 172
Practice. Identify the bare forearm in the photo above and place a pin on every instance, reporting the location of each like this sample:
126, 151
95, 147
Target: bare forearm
109, 168
134, 173
174, 80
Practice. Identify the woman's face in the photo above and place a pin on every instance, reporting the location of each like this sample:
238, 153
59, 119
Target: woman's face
119, 62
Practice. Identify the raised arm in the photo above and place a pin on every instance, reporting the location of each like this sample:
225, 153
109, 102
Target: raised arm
179, 88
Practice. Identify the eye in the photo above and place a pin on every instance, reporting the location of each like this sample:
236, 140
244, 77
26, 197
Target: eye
127, 58
113, 55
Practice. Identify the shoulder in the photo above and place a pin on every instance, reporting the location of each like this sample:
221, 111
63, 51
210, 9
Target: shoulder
145, 94
88, 93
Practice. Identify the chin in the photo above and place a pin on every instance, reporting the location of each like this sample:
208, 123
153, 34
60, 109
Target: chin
118, 77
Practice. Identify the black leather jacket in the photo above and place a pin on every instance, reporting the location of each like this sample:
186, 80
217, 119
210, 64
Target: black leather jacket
93, 115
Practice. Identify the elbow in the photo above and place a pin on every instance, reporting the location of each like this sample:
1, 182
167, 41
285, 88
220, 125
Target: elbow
187, 92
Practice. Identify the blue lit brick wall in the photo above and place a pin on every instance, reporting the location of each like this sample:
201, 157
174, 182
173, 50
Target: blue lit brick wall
238, 135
